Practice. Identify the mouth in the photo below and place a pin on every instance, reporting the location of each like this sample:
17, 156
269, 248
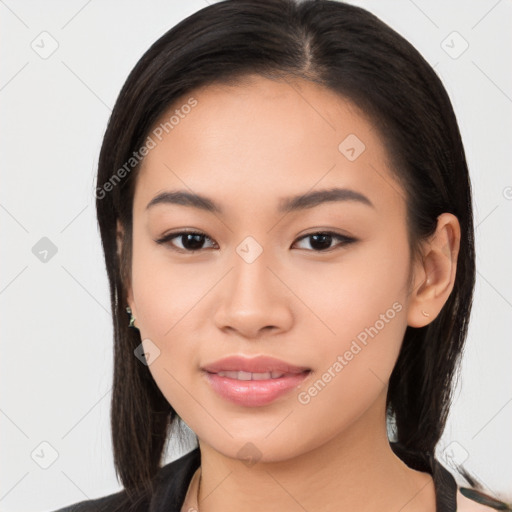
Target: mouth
241, 375
257, 366
253, 382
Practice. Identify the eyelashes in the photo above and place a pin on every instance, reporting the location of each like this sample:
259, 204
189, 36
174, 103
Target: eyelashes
191, 241
194, 236
327, 236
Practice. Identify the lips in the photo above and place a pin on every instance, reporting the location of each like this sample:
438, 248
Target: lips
255, 365
253, 382
252, 376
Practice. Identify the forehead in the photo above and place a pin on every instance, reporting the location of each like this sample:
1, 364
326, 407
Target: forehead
261, 139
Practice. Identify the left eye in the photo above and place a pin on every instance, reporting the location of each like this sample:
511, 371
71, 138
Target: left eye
322, 240
192, 240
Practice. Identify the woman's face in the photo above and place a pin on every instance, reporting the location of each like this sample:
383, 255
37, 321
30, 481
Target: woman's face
259, 283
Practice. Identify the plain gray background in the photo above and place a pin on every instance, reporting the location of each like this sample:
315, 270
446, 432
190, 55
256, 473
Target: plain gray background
63, 64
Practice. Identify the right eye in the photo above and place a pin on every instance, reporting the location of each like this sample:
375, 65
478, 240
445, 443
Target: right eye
191, 241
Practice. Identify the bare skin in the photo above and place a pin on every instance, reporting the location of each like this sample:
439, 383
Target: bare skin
246, 147
464, 504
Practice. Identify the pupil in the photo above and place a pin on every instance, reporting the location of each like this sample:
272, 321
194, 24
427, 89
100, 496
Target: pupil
193, 241
326, 241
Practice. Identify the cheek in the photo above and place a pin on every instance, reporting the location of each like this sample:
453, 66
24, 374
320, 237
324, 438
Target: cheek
165, 293
362, 303
167, 299
367, 286
366, 309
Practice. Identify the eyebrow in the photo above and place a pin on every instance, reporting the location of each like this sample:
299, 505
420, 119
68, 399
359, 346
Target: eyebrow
286, 205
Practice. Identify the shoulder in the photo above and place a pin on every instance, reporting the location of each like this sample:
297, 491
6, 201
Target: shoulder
471, 500
170, 484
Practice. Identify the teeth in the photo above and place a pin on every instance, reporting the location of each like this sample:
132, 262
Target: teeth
261, 376
250, 376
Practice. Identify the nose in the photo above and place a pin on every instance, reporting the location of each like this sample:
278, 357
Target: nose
253, 299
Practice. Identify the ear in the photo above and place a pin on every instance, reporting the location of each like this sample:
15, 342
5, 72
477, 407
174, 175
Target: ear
119, 241
434, 275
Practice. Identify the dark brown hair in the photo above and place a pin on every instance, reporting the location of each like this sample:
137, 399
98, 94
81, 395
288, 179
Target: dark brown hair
347, 50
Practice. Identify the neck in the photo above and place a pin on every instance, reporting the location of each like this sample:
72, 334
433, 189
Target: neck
356, 470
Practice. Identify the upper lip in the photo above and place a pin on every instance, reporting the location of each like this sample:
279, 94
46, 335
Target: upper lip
259, 364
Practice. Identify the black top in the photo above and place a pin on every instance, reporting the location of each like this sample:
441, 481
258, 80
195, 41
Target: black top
173, 479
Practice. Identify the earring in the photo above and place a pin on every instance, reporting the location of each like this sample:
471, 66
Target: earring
132, 318
425, 313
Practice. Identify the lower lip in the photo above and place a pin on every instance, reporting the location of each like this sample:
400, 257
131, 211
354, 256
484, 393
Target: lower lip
254, 393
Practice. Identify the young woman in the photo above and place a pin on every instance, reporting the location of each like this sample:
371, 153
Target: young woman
285, 211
